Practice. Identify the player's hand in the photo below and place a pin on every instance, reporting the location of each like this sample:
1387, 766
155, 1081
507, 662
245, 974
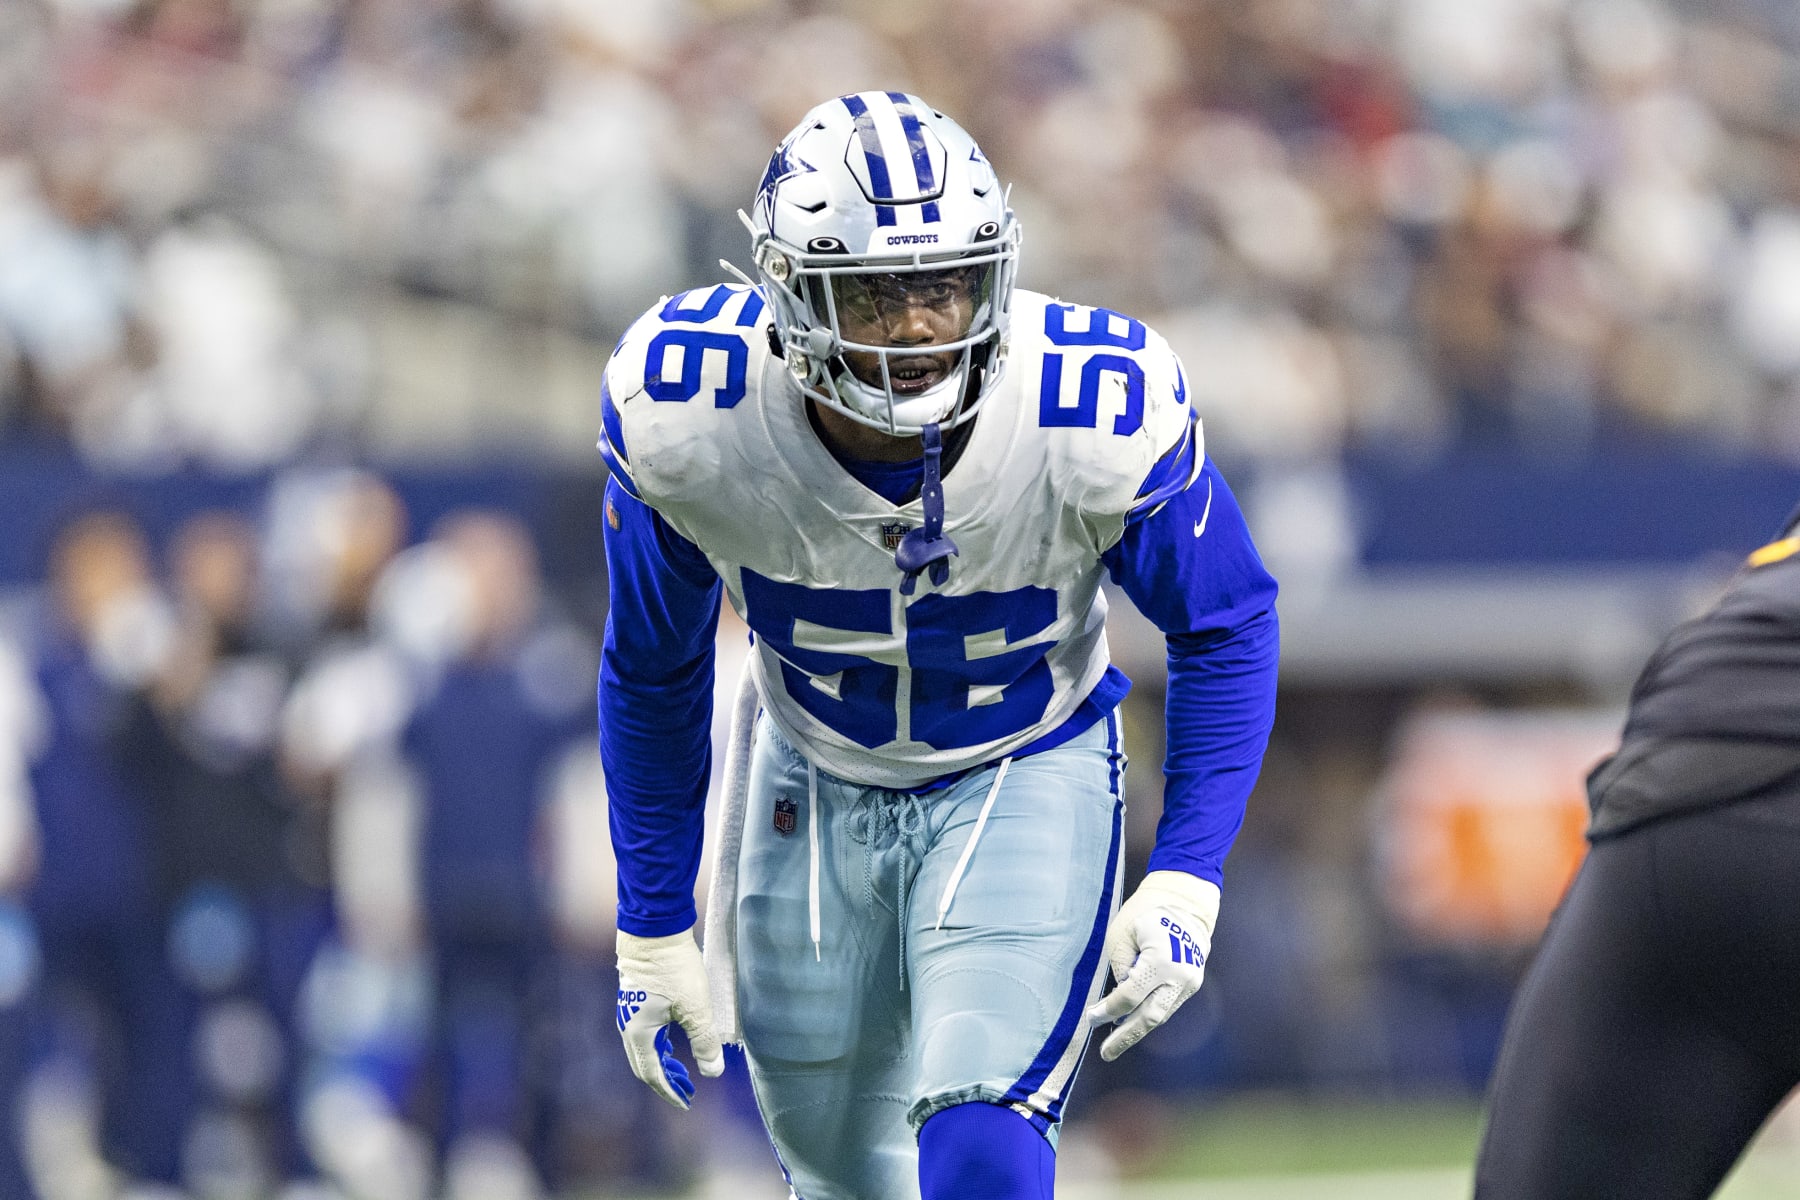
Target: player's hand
663, 980
1157, 947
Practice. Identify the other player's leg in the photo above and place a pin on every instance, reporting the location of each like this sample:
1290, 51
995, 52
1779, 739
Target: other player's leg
1633, 1065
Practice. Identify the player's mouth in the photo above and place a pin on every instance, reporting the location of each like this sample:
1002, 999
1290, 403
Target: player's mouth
917, 374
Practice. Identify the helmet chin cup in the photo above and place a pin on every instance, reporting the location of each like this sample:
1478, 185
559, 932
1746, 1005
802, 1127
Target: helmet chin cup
909, 413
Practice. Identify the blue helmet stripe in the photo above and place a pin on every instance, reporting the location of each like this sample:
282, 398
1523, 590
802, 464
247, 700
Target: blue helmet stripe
921, 156
871, 144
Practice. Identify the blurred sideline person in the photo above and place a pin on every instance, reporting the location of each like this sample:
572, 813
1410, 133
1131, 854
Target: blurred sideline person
23, 730
114, 1008
331, 537
1660, 1024
242, 921
485, 740
910, 479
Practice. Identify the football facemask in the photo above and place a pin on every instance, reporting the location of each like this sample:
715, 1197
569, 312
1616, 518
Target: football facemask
905, 345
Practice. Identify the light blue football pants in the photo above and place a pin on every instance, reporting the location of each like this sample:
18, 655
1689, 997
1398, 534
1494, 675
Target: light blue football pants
956, 951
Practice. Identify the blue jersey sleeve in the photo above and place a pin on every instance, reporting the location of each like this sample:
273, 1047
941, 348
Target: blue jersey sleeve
656, 689
1191, 568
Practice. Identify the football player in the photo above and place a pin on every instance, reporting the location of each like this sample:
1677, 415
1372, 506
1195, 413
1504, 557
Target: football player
909, 478
1660, 1023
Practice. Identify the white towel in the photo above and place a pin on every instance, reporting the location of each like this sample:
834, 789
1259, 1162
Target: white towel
720, 942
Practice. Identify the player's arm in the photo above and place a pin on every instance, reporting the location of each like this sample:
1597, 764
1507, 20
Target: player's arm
1187, 561
655, 698
1191, 567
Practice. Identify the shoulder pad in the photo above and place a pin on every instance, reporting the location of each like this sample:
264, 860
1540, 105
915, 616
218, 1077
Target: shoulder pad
694, 350
1115, 397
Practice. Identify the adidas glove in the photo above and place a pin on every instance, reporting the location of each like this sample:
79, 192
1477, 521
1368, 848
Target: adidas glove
662, 979
1157, 947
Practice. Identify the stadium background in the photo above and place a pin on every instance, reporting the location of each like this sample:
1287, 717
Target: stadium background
1492, 310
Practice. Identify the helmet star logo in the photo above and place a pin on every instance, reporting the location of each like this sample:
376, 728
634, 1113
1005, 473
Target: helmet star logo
782, 167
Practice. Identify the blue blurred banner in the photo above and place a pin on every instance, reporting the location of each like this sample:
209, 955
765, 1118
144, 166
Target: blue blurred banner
40, 491
1468, 509
1507, 510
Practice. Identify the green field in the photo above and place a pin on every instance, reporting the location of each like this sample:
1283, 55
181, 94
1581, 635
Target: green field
1285, 1150
1277, 1148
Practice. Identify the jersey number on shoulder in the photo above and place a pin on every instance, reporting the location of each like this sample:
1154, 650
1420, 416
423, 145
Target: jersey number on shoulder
1100, 328
968, 688
712, 355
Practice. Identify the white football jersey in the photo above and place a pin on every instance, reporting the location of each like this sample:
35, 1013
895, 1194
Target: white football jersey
706, 425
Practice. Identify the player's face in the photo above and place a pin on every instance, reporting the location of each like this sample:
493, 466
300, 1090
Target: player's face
913, 310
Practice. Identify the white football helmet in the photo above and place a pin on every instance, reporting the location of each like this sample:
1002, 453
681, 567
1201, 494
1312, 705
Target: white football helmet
876, 202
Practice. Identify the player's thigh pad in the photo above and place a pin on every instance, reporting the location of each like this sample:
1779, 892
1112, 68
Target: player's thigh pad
825, 1031
1001, 978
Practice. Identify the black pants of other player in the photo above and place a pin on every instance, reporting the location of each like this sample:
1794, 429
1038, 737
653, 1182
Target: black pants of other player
1660, 1024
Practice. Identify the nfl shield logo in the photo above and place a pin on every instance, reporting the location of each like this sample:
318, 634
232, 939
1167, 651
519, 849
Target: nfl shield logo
892, 532
787, 815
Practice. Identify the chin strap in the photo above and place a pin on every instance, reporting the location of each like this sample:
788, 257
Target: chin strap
927, 546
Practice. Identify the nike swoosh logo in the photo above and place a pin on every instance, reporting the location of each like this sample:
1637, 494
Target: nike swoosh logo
1206, 514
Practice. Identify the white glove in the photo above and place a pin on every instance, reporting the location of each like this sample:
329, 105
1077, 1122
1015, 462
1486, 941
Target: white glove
1157, 947
663, 979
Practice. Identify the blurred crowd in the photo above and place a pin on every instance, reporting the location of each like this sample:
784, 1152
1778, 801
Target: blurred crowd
302, 865
303, 871
234, 231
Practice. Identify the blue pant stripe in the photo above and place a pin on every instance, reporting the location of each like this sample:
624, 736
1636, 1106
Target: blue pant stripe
1070, 1020
1112, 753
